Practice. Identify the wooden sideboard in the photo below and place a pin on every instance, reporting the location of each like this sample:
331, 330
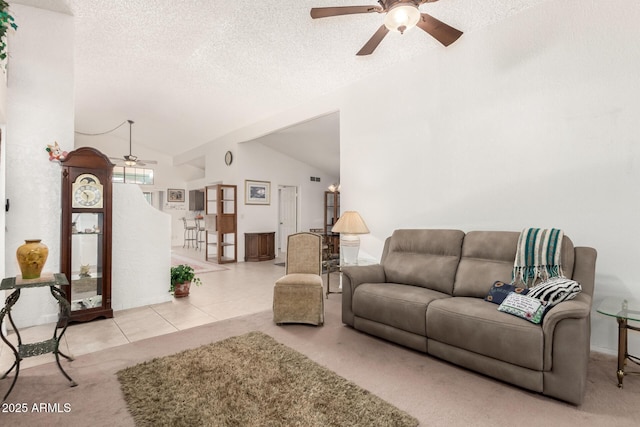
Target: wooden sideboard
259, 246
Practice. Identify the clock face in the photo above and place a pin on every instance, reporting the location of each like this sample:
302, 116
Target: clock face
87, 192
228, 158
87, 196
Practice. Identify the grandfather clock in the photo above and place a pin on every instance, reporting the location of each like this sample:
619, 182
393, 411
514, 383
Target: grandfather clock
86, 233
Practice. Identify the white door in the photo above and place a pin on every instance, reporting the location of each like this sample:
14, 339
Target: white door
288, 217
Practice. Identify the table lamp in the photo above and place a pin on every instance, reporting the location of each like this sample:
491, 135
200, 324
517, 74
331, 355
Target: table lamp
349, 226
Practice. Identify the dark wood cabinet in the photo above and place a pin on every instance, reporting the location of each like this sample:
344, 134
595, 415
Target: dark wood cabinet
259, 246
85, 243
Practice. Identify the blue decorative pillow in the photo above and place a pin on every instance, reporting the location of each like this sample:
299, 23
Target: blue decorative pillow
555, 290
500, 290
531, 309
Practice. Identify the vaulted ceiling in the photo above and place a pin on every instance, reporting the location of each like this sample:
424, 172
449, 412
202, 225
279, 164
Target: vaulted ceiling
190, 71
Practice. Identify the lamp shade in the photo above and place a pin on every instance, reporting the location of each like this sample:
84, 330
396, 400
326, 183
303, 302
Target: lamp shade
350, 223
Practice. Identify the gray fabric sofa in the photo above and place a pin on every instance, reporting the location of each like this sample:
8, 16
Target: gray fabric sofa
428, 294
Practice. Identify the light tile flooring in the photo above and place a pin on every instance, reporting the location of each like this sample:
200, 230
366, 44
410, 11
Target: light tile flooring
242, 288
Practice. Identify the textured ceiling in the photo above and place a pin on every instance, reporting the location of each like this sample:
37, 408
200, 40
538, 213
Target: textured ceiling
190, 71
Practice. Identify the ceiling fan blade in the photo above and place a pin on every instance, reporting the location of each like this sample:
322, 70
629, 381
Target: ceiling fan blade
373, 42
325, 12
440, 31
148, 162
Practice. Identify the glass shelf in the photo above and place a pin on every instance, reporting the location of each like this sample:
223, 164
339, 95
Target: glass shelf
86, 261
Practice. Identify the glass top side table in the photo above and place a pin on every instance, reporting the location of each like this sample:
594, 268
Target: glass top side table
336, 264
53, 281
623, 309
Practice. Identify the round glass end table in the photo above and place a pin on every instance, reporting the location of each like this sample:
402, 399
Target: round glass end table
623, 309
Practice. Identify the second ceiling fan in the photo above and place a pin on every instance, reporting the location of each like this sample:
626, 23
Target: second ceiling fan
129, 159
401, 15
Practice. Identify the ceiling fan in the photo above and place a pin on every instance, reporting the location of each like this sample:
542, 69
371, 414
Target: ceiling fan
130, 159
401, 15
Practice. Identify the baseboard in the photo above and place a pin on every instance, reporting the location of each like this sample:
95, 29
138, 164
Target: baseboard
604, 350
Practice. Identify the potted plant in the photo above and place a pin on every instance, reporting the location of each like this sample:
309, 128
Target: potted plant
181, 278
6, 22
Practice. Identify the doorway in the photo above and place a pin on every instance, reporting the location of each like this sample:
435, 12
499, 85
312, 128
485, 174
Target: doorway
287, 214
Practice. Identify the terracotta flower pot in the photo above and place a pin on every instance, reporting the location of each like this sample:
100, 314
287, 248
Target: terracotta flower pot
181, 289
32, 256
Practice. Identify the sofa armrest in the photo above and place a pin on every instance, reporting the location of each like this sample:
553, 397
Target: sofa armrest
354, 276
567, 333
577, 308
359, 274
584, 269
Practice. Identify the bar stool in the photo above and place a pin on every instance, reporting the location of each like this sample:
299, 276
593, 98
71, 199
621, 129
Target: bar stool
189, 234
200, 230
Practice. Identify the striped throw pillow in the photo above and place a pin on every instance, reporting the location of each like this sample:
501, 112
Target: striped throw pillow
555, 290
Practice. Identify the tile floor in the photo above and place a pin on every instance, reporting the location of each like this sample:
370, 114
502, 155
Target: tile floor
242, 288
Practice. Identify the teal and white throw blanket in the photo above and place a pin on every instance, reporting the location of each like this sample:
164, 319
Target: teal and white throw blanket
537, 256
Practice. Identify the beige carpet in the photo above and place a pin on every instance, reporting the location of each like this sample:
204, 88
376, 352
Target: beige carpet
249, 380
433, 391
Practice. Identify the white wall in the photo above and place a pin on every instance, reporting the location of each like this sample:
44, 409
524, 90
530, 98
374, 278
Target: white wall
40, 110
258, 162
251, 161
141, 252
3, 129
255, 161
531, 122
2, 212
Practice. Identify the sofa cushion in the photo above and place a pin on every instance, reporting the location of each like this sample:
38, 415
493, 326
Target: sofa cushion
488, 256
500, 290
524, 306
393, 304
476, 325
426, 258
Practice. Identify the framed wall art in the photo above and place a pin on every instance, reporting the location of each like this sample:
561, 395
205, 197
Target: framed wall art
257, 192
175, 195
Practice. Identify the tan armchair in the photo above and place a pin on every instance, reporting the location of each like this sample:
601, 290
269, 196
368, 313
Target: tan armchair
297, 296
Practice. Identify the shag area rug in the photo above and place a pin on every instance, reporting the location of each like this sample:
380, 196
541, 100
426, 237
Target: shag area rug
249, 380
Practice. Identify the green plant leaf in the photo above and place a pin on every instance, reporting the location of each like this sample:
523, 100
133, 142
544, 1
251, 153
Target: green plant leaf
6, 21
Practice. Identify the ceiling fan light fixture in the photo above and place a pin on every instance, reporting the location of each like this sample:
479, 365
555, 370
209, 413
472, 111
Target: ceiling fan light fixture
130, 160
402, 17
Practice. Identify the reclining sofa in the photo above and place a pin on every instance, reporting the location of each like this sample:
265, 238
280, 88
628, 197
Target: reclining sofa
428, 293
